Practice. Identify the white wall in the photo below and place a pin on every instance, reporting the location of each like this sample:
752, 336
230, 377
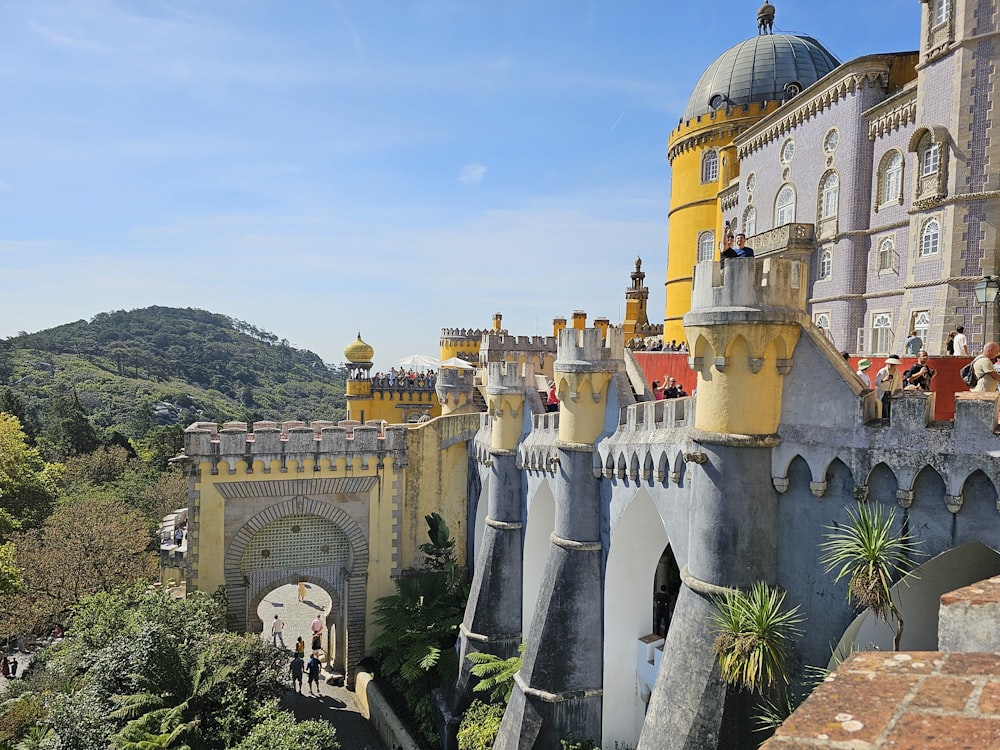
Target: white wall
637, 542
541, 524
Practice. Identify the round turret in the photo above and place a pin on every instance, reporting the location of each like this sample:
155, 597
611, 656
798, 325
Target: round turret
358, 352
767, 67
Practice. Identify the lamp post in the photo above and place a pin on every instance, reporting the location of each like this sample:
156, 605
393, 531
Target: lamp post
986, 290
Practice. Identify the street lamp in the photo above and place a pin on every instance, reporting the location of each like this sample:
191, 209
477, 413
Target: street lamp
986, 290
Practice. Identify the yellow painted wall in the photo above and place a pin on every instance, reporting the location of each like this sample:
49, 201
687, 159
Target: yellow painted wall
211, 540
694, 206
385, 404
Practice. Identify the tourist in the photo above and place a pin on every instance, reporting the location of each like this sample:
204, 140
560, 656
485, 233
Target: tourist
742, 249
888, 381
552, 402
302, 591
313, 669
961, 343
918, 377
863, 365
949, 345
277, 626
296, 668
657, 390
671, 390
913, 344
300, 647
987, 377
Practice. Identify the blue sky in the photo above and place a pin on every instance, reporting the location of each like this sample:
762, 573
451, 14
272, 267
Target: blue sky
320, 168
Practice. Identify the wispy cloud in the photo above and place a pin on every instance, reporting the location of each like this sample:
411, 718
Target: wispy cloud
472, 173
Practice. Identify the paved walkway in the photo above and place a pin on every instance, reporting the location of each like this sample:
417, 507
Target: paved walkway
335, 704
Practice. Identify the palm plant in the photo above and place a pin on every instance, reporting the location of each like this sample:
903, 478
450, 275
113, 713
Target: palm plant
496, 675
167, 714
754, 631
870, 556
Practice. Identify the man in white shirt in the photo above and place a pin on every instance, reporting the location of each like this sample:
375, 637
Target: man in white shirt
983, 367
277, 634
961, 342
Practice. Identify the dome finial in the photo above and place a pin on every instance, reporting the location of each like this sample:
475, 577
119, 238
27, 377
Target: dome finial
765, 18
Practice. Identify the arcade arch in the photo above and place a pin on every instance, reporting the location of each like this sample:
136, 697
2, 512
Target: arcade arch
634, 562
541, 524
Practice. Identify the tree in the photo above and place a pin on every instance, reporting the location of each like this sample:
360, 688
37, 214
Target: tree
13, 404
70, 431
870, 556
83, 548
278, 730
28, 485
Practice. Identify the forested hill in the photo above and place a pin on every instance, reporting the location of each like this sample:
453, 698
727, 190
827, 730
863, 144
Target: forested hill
135, 370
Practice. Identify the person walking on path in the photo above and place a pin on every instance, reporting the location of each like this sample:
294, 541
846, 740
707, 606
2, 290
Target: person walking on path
296, 668
317, 633
302, 591
277, 626
313, 669
300, 648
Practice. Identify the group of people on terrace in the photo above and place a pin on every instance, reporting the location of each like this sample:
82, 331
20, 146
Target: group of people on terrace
402, 378
639, 344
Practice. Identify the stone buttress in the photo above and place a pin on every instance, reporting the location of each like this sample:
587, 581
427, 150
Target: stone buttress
742, 330
492, 621
557, 693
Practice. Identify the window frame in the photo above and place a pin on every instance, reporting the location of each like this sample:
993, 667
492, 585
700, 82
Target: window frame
750, 221
709, 166
885, 254
829, 195
925, 239
940, 12
930, 159
881, 334
824, 269
922, 327
891, 190
780, 208
706, 245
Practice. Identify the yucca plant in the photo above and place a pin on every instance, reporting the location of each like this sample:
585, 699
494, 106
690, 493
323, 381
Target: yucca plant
870, 556
754, 630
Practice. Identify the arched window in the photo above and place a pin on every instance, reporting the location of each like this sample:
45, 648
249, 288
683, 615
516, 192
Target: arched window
930, 237
892, 177
922, 325
930, 158
886, 251
706, 246
822, 321
829, 196
940, 12
710, 166
750, 221
881, 333
784, 206
825, 264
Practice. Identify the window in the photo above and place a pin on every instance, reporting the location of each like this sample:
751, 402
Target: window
929, 160
886, 251
940, 12
929, 238
787, 151
892, 177
922, 325
881, 333
825, 264
710, 166
706, 246
831, 140
750, 221
829, 196
784, 206
822, 321
751, 182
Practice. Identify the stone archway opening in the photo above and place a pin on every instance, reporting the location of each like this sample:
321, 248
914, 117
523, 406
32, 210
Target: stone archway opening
298, 616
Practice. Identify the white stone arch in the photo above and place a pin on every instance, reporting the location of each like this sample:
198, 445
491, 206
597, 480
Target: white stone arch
638, 538
541, 524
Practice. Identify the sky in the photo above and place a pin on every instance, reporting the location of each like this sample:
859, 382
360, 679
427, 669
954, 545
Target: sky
320, 168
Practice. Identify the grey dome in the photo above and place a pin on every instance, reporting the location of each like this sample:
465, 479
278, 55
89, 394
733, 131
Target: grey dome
758, 70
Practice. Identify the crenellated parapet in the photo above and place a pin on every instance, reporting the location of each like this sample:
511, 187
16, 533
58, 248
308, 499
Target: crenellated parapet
506, 384
293, 446
586, 362
463, 343
454, 387
501, 347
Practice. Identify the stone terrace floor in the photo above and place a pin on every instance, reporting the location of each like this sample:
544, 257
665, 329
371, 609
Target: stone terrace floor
906, 701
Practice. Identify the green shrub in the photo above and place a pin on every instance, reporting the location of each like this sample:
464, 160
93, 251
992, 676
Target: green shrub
480, 725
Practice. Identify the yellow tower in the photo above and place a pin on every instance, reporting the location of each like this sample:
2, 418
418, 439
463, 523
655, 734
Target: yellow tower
745, 83
358, 391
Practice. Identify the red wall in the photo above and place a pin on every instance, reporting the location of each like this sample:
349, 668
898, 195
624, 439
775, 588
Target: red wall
662, 365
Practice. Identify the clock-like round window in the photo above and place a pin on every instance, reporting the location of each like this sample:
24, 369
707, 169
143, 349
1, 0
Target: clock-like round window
787, 151
831, 141
751, 182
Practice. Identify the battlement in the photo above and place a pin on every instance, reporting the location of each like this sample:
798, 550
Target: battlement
589, 350
498, 347
505, 378
292, 441
455, 377
470, 334
749, 284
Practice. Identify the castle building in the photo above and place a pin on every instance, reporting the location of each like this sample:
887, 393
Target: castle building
876, 170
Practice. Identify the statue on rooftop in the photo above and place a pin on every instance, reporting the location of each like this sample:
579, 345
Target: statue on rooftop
765, 18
